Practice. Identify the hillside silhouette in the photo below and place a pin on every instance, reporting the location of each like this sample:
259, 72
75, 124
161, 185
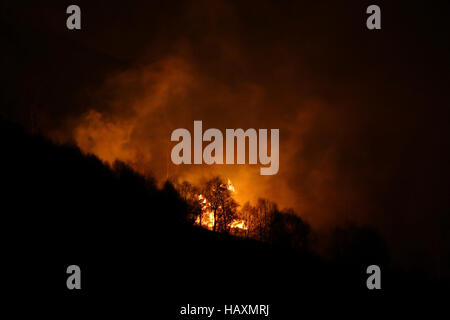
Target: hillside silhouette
132, 239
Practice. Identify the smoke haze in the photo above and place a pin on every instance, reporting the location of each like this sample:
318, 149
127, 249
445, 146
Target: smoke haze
360, 114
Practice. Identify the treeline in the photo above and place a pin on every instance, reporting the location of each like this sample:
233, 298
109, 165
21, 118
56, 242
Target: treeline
81, 193
262, 221
347, 245
69, 206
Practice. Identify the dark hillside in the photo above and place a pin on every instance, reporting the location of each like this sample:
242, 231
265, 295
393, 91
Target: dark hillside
131, 240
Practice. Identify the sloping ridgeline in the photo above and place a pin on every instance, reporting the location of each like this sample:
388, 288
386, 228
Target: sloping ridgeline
130, 238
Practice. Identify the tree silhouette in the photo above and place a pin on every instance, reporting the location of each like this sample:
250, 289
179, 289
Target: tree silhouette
189, 194
287, 229
264, 210
227, 213
217, 193
247, 213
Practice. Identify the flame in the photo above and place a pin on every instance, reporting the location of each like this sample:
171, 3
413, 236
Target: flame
231, 187
238, 224
208, 216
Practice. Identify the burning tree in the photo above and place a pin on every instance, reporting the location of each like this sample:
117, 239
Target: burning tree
218, 195
214, 208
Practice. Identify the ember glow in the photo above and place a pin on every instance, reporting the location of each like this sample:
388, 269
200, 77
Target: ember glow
207, 216
231, 187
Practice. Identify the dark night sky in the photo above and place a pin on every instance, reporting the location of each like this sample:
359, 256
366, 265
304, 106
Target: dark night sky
363, 115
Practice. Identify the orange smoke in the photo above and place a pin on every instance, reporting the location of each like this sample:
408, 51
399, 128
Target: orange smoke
137, 110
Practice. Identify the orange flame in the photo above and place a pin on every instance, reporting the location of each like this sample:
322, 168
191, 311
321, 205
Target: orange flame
207, 215
230, 186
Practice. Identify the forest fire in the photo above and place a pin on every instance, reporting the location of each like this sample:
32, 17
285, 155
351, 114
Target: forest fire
206, 219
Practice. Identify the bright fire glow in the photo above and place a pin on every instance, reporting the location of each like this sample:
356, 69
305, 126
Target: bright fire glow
207, 215
230, 186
